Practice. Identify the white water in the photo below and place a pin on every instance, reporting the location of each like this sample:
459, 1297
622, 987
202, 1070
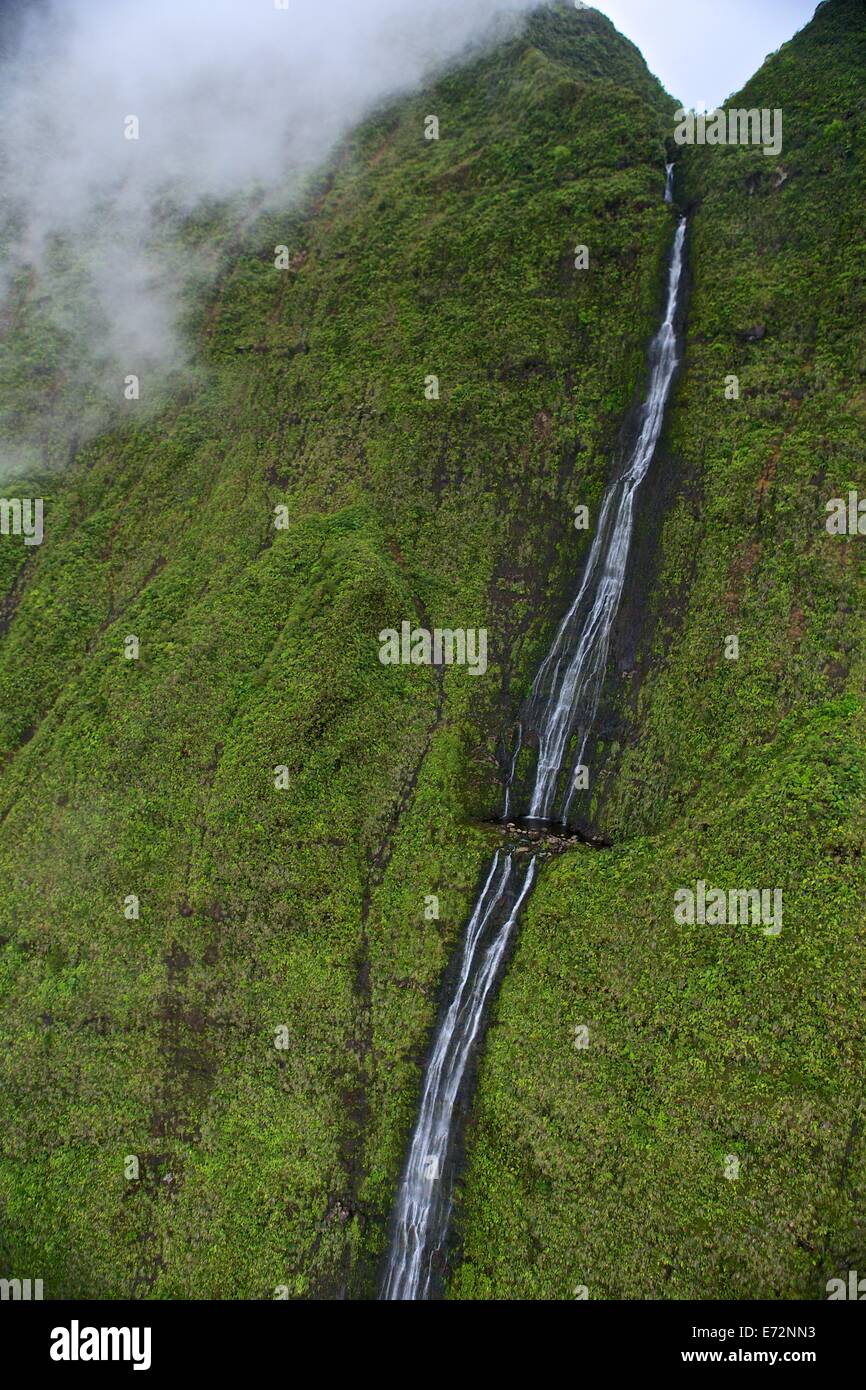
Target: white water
568, 685
424, 1201
567, 688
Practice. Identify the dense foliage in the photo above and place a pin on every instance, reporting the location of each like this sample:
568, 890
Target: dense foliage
260, 908
301, 915
606, 1167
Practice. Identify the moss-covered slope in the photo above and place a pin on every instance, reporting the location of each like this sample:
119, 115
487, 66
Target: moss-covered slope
610, 1166
146, 1044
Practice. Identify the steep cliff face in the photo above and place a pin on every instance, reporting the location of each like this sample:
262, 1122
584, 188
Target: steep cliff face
216, 991
708, 1142
207, 1092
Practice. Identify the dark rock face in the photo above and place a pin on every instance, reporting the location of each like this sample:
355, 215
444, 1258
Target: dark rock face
545, 838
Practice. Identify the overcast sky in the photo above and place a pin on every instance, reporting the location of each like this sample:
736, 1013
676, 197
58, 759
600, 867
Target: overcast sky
704, 50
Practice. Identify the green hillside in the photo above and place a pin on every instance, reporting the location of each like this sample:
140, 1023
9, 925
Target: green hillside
606, 1166
213, 1098
152, 1038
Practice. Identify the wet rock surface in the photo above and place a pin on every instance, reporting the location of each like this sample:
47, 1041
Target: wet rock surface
544, 838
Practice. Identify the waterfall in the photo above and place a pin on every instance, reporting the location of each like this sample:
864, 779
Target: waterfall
561, 707
567, 688
424, 1201
669, 183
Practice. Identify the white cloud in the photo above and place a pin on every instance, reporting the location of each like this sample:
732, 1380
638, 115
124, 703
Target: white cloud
232, 95
229, 95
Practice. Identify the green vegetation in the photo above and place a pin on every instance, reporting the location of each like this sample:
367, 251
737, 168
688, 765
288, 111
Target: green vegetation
606, 1167
154, 1037
304, 909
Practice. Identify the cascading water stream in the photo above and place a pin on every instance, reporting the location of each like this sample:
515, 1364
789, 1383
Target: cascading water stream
424, 1200
568, 685
563, 703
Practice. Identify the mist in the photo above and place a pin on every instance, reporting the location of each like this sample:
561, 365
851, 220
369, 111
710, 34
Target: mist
227, 100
